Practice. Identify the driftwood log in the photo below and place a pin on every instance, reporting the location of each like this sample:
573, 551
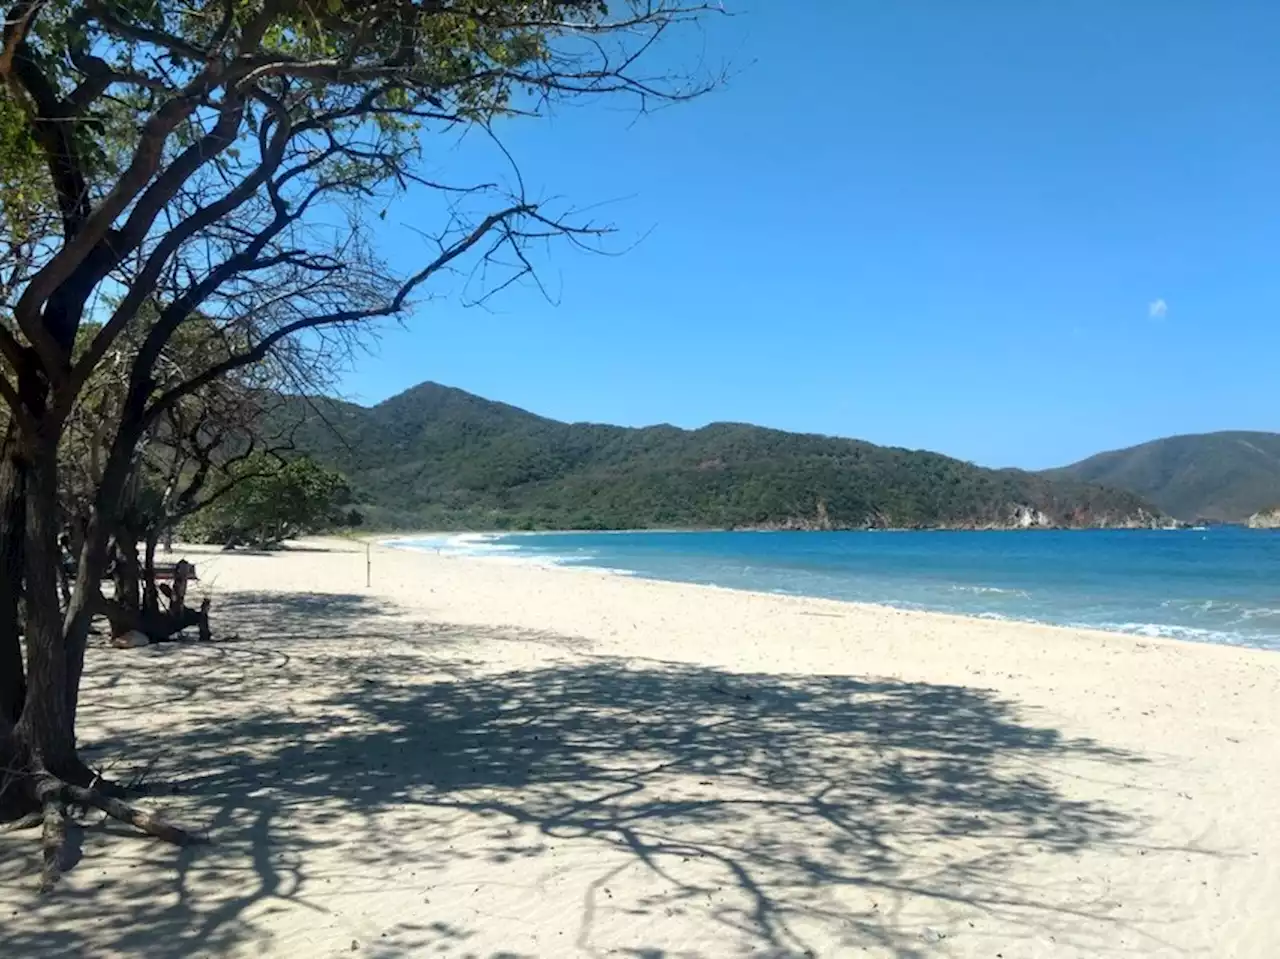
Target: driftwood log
160, 625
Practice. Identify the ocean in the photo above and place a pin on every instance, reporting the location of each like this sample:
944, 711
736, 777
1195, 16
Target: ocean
1219, 585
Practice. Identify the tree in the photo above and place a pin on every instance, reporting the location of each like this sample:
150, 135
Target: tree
196, 453
273, 501
221, 162
208, 444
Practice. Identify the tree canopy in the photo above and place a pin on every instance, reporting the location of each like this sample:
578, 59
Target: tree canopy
191, 190
273, 501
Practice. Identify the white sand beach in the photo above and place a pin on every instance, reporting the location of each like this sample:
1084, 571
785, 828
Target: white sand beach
482, 759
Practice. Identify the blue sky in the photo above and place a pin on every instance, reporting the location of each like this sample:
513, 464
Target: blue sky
1018, 233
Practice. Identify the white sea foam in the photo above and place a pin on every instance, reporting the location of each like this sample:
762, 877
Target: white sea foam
480, 546
1229, 612
453, 544
1169, 631
990, 590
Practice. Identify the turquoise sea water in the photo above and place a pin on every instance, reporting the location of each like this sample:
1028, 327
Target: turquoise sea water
1215, 585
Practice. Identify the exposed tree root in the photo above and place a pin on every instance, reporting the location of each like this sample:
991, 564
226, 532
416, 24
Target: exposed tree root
53, 841
80, 773
139, 819
56, 800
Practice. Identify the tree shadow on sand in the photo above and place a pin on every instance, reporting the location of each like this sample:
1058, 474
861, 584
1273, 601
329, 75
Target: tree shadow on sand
784, 811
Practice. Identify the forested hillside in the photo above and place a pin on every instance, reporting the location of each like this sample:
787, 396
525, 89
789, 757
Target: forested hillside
436, 457
1224, 477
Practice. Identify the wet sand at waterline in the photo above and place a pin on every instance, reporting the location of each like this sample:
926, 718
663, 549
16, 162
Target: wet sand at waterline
485, 759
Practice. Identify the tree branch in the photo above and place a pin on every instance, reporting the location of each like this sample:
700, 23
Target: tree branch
16, 25
143, 286
396, 303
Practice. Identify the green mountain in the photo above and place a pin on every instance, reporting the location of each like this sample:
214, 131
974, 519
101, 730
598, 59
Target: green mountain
436, 457
1224, 477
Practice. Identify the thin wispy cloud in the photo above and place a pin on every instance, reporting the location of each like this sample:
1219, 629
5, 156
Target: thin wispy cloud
1158, 309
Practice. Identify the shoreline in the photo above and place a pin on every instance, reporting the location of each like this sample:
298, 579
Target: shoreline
1182, 526
534, 562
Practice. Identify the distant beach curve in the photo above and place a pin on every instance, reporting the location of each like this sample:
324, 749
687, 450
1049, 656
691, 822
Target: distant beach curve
1219, 585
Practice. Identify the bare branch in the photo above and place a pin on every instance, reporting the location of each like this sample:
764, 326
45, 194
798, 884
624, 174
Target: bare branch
263, 347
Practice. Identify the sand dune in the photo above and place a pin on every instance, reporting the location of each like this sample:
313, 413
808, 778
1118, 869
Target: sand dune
476, 759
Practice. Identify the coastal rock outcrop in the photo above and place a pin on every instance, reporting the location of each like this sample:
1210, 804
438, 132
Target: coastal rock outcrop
1015, 516
1265, 519
1141, 519
1027, 517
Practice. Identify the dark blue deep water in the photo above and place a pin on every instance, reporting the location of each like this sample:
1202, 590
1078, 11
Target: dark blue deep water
1220, 585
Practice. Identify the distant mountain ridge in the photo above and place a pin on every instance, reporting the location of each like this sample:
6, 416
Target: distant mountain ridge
1222, 477
438, 457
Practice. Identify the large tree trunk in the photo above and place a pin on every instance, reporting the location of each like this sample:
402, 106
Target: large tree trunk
86, 598
127, 574
38, 752
12, 532
150, 594
42, 775
45, 731
105, 518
